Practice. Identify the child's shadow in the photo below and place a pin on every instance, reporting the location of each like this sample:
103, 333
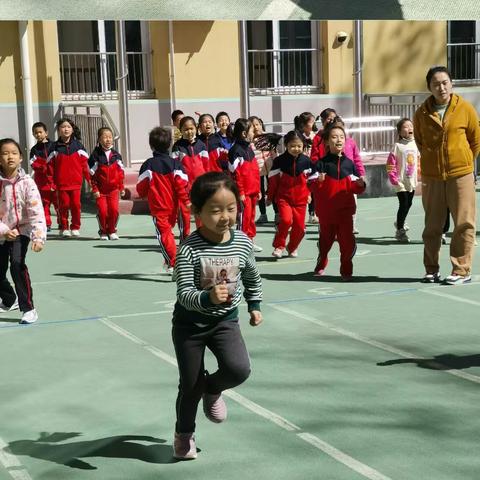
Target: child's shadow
47, 447
446, 361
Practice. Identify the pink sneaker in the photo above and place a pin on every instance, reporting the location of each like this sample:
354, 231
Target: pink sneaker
318, 272
214, 407
184, 447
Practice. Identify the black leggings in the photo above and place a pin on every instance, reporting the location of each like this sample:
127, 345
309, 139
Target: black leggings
404, 203
225, 341
14, 252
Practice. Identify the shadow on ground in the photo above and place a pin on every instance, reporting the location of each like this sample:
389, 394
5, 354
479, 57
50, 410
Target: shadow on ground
446, 361
48, 447
118, 276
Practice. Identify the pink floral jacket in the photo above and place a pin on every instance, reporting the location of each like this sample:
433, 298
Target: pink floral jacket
21, 208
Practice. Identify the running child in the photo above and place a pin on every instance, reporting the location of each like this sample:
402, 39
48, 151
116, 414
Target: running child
107, 177
164, 183
244, 168
21, 220
288, 188
193, 156
206, 311
69, 162
402, 165
217, 160
42, 175
335, 183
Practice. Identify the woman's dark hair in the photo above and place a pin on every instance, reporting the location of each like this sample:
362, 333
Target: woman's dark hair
324, 114
76, 131
175, 114
329, 128
5, 141
160, 139
241, 125
206, 185
205, 115
184, 120
400, 124
301, 120
39, 125
294, 135
103, 129
337, 122
222, 114
258, 119
436, 69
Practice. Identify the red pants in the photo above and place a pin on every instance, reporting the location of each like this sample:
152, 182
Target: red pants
246, 221
184, 221
164, 225
69, 201
343, 232
292, 218
107, 212
49, 197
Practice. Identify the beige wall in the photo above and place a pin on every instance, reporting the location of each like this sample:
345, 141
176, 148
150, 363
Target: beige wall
397, 54
206, 59
10, 68
338, 57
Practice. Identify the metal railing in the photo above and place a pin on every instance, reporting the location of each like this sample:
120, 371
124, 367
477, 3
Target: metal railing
89, 117
375, 135
283, 71
92, 75
464, 63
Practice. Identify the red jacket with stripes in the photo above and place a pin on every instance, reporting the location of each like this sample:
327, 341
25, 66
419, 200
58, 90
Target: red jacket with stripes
38, 161
107, 174
244, 167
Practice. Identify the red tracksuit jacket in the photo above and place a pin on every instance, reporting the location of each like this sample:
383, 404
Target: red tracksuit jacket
287, 179
244, 168
192, 156
38, 161
334, 200
107, 175
217, 153
69, 164
164, 183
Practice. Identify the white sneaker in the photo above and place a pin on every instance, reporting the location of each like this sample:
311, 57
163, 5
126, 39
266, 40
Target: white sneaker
277, 253
312, 219
401, 235
355, 231
29, 317
4, 309
65, 233
168, 269
455, 279
103, 237
293, 254
114, 236
75, 233
405, 226
257, 248
431, 278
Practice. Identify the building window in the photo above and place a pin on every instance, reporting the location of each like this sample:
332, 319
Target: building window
463, 51
88, 62
283, 57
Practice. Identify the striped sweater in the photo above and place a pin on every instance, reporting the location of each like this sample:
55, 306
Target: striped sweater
201, 264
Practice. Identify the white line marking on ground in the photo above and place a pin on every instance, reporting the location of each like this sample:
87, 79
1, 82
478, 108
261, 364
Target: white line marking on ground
371, 342
106, 272
313, 440
12, 464
139, 314
450, 297
390, 216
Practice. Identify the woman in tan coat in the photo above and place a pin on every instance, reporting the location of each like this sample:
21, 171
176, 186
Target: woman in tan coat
447, 133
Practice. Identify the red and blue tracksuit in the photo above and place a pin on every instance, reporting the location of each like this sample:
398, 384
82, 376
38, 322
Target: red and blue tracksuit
334, 206
69, 164
43, 178
107, 178
162, 180
243, 167
217, 148
194, 159
287, 187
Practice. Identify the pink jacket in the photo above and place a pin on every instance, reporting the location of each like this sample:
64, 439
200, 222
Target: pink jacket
21, 208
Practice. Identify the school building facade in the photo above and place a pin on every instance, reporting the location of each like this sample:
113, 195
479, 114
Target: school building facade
197, 66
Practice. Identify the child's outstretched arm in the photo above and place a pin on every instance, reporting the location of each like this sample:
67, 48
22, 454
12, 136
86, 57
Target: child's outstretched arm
252, 283
36, 216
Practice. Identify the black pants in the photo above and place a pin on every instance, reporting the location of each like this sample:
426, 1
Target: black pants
311, 207
404, 203
15, 252
226, 342
446, 226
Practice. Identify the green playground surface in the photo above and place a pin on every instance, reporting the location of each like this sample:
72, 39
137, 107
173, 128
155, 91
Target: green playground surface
375, 379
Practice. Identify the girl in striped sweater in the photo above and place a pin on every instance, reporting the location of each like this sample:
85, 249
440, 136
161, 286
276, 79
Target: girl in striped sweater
209, 266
